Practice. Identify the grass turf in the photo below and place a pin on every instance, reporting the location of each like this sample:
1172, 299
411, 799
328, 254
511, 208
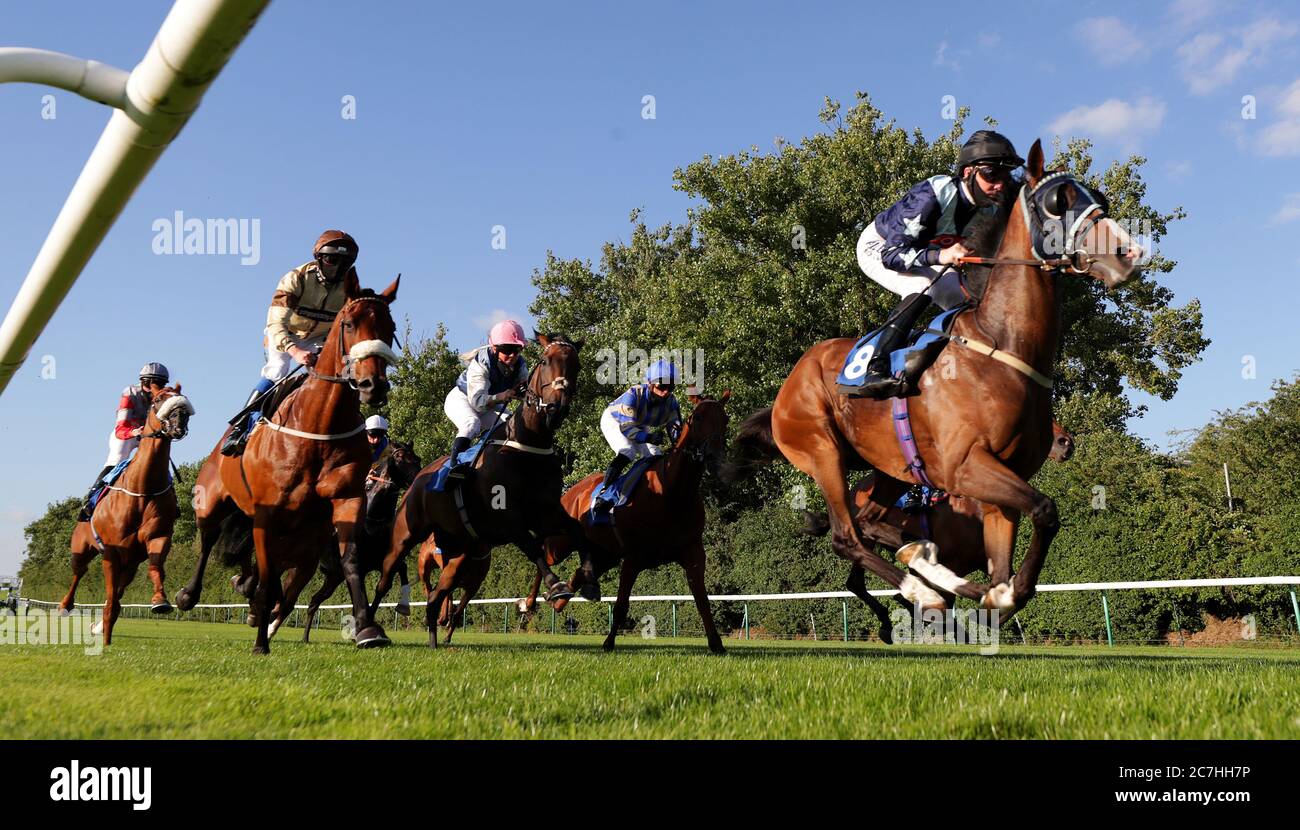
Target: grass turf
167, 679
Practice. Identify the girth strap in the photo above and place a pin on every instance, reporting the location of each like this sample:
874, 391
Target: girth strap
312, 435
906, 443
459, 496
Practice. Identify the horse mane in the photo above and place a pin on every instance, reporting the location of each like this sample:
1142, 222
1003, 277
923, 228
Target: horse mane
983, 235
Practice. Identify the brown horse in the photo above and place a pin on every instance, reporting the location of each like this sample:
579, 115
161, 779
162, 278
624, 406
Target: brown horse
983, 426
398, 470
512, 493
300, 482
662, 522
133, 519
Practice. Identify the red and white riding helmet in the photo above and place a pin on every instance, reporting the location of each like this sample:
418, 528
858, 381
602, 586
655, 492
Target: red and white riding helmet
507, 333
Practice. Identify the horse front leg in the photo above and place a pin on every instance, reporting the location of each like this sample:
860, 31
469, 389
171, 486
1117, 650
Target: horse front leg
268, 585
472, 574
347, 518
693, 563
985, 478
626, 579
857, 584
298, 579
333, 578
80, 564
157, 550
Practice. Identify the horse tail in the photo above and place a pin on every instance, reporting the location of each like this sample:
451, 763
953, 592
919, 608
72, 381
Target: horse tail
234, 538
753, 447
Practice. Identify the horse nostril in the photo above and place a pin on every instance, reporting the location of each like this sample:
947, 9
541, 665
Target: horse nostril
365, 383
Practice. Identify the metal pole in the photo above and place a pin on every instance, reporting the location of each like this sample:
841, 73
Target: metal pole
155, 101
1295, 609
745, 623
844, 614
552, 619
1105, 609
610, 608
1178, 621
675, 618
505, 616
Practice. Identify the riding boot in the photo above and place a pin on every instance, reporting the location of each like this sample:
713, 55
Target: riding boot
240, 430
458, 446
615, 469
84, 515
880, 383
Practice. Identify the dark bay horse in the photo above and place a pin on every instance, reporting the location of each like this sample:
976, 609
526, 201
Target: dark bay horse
464, 572
663, 521
983, 426
300, 482
396, 472
512, 493
135, 516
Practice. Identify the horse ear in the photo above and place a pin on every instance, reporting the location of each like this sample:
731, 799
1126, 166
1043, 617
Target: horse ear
542, 340
726, 395
351, 285
390, 293
176, 387
1034, 164
577, 345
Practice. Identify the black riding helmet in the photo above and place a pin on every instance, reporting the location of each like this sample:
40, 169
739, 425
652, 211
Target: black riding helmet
989, 147
335, 252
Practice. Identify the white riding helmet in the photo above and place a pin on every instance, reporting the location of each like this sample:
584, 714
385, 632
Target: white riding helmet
376, 422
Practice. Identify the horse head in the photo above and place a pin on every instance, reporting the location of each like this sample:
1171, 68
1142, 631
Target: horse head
1062, 444
704, 436
1067, 220
359, 348
169, 415
402, 465
554, 382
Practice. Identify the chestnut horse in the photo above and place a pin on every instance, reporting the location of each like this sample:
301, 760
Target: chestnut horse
512, 493
464, 572
663, 521
983, 427
300, 482
398, 471
133, 519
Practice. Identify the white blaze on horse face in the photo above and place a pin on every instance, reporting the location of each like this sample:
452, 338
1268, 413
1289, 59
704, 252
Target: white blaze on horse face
1104, 242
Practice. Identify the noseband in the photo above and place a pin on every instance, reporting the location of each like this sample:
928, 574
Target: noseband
360, 351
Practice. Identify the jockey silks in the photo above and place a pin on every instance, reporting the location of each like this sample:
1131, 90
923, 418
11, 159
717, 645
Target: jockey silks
303, 308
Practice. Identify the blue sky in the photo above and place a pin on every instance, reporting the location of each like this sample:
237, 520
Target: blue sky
528, 116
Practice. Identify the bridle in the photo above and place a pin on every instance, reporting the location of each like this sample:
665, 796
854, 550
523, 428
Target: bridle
359, 351
1044, 204
533, 397
166, 431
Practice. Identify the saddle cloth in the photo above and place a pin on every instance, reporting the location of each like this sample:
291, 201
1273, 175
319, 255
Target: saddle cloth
912, 360
620, 489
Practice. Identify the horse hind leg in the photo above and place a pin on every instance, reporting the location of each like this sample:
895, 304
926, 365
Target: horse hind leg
857, 584
332, 580
298, 579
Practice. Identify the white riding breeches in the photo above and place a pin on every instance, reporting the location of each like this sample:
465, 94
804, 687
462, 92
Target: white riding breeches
280, 364
468, 422
119, 450
941, 283
620, 443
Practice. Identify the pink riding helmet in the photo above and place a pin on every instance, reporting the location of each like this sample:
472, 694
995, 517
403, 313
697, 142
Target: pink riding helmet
507, 333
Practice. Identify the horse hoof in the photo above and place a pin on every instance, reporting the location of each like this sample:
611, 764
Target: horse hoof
929, 551
404, 609
590, 591
261, 649
97, 628
886, 635
522, 606
272, 628
163, 607
607, 646
63, 612
718, 649
372, 637
559, 591
184, 601
251, 620
1001, 597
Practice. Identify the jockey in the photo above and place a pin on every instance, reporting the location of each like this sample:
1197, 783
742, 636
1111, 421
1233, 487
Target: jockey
132, 413
492, 378
380, 449
298, 321
628, 420
913, 247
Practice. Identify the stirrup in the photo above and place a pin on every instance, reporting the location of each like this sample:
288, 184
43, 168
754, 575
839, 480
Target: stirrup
234, 445
880, 388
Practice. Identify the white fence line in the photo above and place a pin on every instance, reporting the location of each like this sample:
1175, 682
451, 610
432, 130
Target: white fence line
1063, 587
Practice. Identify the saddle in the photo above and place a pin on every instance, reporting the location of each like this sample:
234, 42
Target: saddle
107, 480
620, 490
911, 361
438, 481
282, 393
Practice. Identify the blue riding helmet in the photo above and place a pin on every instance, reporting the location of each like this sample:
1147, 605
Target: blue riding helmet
661, 371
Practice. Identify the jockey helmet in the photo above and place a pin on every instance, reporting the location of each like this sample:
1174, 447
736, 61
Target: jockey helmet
661, 372
155, 372
376, 422
988, 146
335, 252
507, 333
